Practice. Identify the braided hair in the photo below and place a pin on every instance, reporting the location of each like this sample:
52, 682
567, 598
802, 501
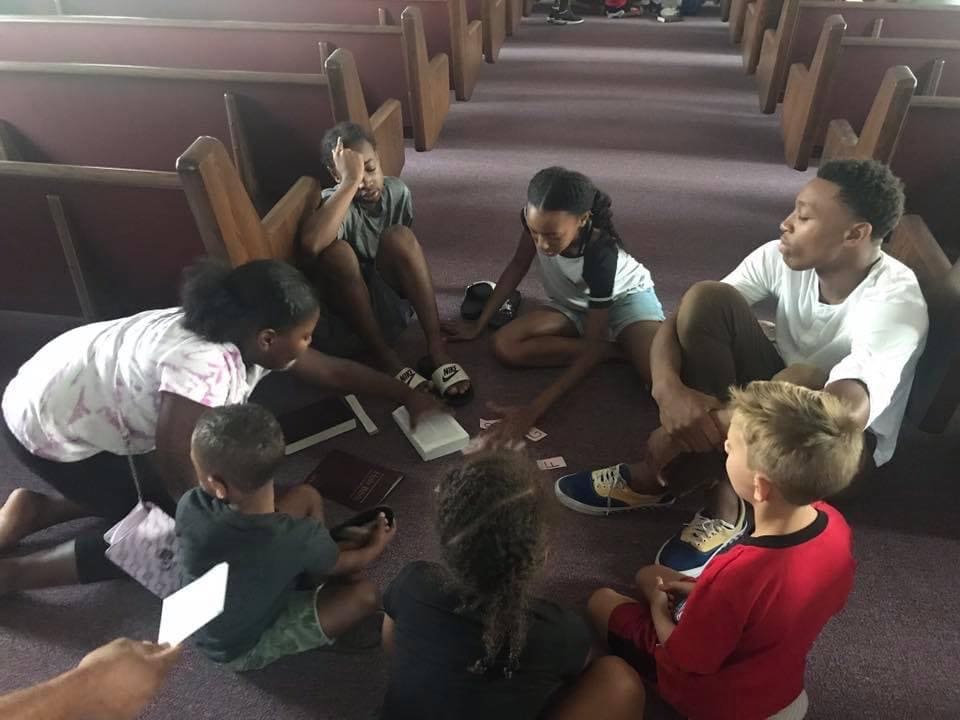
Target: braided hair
490, 518
556, 188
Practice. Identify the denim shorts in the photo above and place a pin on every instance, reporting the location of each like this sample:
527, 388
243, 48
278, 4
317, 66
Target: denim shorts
638, 306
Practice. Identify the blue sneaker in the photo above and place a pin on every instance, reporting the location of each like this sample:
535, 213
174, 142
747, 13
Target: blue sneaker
692, 548
605, 491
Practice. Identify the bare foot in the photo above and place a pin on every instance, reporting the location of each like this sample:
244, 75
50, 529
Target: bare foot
26, 512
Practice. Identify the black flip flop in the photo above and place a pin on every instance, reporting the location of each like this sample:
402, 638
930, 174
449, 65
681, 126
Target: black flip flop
342, 531
475, 298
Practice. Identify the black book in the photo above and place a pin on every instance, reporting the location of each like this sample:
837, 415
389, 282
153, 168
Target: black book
315, 423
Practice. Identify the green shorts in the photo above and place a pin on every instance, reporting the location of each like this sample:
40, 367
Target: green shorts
296, 630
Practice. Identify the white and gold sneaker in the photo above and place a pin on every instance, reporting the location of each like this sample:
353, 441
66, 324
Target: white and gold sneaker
605, 491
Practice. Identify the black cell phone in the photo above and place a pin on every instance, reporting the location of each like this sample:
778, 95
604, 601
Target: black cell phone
360, 522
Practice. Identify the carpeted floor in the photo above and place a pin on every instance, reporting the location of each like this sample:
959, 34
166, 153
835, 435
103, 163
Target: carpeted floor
663, 118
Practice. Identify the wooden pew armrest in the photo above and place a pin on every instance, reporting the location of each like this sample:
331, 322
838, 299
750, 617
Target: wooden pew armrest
387, 126
796, 87
281, 226
841, 141
475, 29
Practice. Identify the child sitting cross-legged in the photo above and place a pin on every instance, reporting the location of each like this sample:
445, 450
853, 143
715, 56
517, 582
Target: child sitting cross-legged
236, 517
469, 639
734, 642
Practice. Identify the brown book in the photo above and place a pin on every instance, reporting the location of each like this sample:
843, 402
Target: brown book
353, 482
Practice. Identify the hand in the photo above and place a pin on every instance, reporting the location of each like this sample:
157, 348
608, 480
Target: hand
125, 675
382, 534
686, 414
509, 433
460, 330
348, 164
422, 405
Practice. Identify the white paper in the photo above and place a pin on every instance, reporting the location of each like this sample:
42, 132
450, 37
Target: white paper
193, 606
551, 463
484, 424
535, 434
369, 425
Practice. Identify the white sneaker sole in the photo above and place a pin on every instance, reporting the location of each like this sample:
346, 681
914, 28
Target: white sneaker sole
585, 509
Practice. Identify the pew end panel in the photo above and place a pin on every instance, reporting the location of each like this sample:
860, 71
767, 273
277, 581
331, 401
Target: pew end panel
936, 387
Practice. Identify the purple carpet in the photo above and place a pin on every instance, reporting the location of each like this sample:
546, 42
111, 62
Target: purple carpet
663, 119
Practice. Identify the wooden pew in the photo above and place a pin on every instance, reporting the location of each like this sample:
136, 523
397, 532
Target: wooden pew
919, 137
132, 231
936, 386
391, 61
843, 79
491, 13
760, 16
142, 117
798, 32
225, 214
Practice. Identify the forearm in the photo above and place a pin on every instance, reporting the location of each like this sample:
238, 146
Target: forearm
64, 697
587, 360
854, 394
173, 471
509, 280
662, 621
347, 376
666, 358
323, 225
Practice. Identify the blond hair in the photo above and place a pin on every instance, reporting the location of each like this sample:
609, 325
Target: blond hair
806, 442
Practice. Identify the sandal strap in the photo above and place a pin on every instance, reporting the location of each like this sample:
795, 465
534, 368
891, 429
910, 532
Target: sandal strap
411, 378
445, 376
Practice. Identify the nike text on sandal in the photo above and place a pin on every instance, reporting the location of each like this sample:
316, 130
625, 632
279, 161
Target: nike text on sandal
605, 491
444, 378
411, 378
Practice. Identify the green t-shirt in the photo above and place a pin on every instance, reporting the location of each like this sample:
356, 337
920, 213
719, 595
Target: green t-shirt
266, 553
364, 225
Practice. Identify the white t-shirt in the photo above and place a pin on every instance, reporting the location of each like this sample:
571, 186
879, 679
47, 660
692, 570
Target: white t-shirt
86, 390
875, 336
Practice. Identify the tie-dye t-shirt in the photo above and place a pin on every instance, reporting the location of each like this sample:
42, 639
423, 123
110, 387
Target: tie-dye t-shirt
97, 388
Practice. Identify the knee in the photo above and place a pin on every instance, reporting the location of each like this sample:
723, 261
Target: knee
366, 596
808, 376
505, 348
398, 241
599, 607
339, 261
701, 304
623, 684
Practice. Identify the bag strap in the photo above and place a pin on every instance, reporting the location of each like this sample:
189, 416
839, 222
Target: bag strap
81, 287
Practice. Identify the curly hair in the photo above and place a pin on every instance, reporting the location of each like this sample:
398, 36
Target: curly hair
350, 133
241, 444
224, 304
871, 191
492, 528
556, 188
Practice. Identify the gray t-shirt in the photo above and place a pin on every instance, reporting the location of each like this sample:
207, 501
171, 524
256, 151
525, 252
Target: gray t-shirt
266, 554
364, 224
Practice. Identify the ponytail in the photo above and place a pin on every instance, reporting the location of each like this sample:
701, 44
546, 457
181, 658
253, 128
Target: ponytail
221, 304
556, 188
602, 216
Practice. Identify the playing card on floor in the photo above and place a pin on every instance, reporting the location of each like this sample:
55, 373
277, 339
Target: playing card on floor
551, 463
